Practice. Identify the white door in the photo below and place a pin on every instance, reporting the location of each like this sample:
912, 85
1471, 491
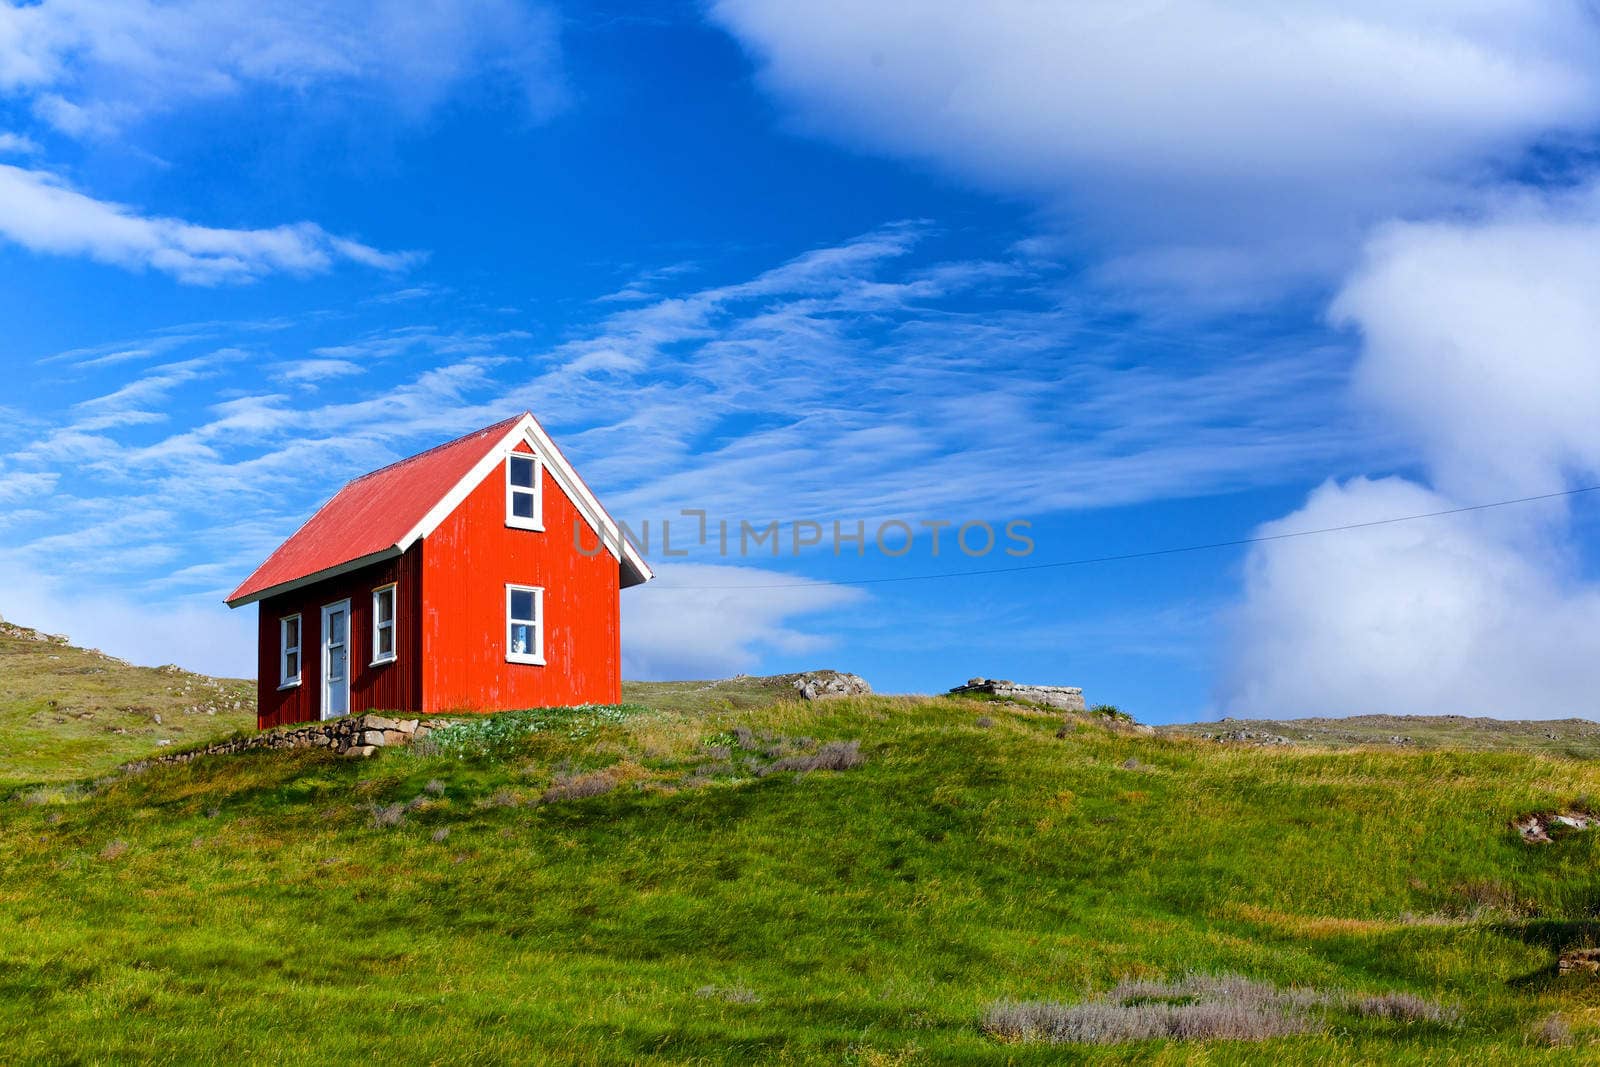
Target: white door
336, 660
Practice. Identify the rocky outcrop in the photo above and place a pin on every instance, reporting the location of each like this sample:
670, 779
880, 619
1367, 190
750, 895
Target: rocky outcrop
815, 685
1065, 697
1538, 828
1249, 737
355, 735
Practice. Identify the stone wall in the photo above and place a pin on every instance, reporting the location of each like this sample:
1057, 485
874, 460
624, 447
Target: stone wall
352, 735
1065, 697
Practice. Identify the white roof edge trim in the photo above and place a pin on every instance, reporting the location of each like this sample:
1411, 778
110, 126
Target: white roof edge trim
311, 579
527, 428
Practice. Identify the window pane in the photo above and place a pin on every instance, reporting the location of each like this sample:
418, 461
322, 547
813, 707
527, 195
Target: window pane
291, 665
291, 633
386, 605
522, 504
522, 605
385, 640
521, 638
336, 628
522, 471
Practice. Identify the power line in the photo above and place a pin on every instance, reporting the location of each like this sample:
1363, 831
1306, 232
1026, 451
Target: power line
1152, 553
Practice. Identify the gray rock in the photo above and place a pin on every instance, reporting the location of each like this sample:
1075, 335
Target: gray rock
1065, 697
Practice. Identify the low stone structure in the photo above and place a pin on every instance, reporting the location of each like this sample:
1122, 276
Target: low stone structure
352, 735
814, 685
1579, 961
1065, 697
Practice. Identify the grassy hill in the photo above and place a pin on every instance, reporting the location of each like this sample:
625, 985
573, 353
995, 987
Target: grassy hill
68, 713
716, 873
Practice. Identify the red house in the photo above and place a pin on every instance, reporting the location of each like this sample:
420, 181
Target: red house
479, 575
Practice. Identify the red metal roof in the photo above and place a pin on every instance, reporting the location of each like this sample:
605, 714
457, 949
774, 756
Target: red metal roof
372, 514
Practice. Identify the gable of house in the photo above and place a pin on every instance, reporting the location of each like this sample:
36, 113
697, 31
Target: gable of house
380, 515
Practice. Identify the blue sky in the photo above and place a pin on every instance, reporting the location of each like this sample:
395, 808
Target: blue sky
1141, 276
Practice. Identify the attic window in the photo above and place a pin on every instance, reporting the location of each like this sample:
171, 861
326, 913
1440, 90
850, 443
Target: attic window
522, 492
524, 624
383, 625
288, 651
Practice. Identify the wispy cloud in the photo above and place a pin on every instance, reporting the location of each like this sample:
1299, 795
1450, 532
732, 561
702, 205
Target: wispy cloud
860, 380
41, 213
92, 67
15, 144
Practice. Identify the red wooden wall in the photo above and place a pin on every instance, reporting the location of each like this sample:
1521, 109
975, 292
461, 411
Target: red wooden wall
466, 564
395, 685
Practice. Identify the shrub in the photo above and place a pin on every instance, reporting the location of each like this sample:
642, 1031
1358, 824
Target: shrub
114, 850
440, 834
576, 787
387, 815
833, 756
434, 788
984, 722
1105, 1023
1553, 1031
744, 737
1400, 1008
1196, 1008
1110, 711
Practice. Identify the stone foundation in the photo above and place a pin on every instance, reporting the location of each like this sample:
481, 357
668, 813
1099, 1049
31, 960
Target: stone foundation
352, 735
1065, 697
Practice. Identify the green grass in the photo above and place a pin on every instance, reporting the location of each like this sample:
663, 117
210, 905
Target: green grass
70, 713
703, 911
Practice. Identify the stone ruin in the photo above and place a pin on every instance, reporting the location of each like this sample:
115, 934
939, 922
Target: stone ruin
1065, 697
814, 685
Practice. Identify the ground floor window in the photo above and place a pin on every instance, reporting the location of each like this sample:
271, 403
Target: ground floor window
383, 625
524, 624
289, 651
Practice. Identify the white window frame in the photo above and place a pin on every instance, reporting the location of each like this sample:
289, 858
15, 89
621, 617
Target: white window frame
285, 681
378, 658
514, 520
536, 657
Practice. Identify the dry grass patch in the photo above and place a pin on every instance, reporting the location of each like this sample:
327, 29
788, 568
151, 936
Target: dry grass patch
1198, 1008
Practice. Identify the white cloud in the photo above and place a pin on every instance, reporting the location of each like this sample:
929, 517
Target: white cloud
42, 214
317, 370
16, 486
198, 634
1482, 344
672, 629
1482, 339
1453, 615
14, 144
1177, 131
92, 66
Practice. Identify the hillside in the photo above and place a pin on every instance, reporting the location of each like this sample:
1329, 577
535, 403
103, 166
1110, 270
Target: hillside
69, 713
715, 872
1578, 738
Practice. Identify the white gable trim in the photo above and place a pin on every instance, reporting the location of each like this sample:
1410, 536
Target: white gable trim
555, 464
